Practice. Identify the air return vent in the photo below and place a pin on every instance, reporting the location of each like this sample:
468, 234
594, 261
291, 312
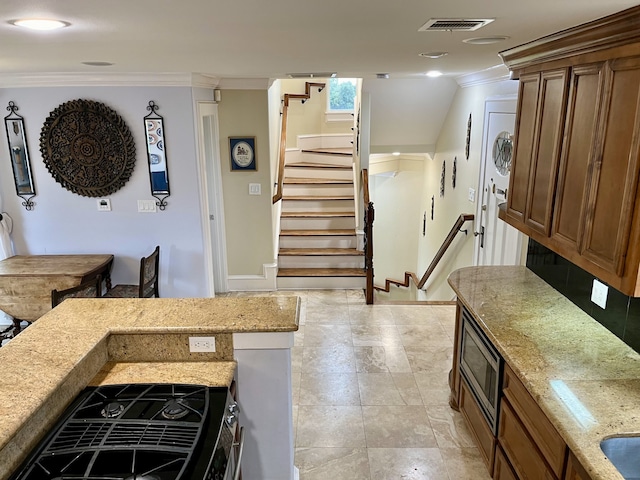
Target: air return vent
457, 24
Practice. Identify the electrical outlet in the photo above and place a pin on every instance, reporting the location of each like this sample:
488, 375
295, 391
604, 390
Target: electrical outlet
599, 294
202, 344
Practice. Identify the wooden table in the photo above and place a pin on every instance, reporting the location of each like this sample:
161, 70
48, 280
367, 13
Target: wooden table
26, 281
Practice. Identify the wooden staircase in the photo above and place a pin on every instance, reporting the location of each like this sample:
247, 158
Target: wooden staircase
318, 245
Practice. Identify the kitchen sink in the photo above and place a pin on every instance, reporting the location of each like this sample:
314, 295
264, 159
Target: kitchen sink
624, 453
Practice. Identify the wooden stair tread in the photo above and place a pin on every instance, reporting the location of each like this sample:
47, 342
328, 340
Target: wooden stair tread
340, 151
317, 214
319, 251
321, 272
317, 165
317, 197
317, 181
304, 233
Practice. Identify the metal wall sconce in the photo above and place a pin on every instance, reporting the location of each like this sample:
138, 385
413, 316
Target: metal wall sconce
19, 154
156, 154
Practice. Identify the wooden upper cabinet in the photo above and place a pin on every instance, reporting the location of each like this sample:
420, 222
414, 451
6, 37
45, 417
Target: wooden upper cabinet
538, 136
576, 163
614, 181
574, 178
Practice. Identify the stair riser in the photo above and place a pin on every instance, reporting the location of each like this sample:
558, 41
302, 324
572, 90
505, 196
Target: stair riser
317, 223
317, 205
322, 190
297, 283
325, 141
328, 241
321, 261
327, 159
309, 172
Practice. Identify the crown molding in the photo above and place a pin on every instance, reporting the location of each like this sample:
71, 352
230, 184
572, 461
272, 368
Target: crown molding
245, 83
495, 74
26, 80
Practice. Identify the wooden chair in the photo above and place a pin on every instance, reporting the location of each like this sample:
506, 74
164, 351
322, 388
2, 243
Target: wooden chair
90, 289
148, 285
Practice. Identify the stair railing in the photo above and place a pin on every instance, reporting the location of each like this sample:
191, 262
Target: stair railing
283, 132
369, 215
408, 276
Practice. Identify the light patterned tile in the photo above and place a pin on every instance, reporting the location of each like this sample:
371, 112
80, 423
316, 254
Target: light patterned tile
329, 389
430, 358
298, 336
371, 315
464, 464
327, 314
423, 335
296, 358
338, 359
381, 359
378, 389
319, 335
406, 464
332, 463
330, 426
408, 388
404, 426
449, 427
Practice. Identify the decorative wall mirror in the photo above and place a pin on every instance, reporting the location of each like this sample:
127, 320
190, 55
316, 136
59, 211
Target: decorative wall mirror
156, 154
19, 154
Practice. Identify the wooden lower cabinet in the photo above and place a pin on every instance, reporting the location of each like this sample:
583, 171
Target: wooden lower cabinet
501, 468
575, 470
478, 425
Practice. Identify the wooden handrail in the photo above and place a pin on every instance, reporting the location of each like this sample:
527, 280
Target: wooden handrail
283, 131
365, 185
465, 217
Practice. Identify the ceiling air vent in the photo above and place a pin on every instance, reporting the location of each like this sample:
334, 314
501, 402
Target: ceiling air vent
454, 24
312, 75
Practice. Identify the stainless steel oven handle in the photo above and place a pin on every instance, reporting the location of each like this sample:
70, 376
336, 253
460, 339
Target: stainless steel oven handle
240, 445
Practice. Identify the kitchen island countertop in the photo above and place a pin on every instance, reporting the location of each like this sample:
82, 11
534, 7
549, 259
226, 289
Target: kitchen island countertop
585, 379
89, 341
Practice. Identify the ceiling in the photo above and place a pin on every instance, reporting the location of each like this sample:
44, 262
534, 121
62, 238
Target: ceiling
269, 39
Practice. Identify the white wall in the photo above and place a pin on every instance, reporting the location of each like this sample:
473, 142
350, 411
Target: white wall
398, 218
64, 222
450, 144
407, 114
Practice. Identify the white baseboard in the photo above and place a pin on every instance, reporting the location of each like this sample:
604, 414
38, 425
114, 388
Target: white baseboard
265, 282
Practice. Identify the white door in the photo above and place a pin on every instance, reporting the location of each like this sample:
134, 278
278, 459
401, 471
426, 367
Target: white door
496, 243
211, 188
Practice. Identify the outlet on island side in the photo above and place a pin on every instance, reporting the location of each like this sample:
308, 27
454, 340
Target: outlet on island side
202, 344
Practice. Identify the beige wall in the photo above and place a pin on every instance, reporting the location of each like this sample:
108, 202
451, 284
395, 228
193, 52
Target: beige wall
247, 217
308, 118
450, 144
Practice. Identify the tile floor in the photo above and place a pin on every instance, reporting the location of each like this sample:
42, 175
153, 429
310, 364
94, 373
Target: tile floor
370, 392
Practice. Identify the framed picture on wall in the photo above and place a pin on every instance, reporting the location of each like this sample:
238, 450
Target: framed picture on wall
242, 151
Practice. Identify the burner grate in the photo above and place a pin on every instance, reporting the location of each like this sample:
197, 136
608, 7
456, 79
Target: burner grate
88, 435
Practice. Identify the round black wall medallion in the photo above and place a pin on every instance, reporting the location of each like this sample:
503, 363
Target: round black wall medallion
88, 148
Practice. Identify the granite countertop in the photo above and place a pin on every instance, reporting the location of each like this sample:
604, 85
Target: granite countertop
585, 379
90, 341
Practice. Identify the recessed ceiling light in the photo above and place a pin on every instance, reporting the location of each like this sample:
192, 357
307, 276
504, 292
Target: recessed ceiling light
433, 54
39, 23
98, 64
396, 153
485, 40
434, 73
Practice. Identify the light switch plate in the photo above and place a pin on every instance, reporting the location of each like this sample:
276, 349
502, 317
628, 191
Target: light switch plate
255, 189
104, 205
599, 294
472, 195
146, 206
202, 344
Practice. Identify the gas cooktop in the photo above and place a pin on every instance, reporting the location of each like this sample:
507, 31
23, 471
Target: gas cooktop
129, 432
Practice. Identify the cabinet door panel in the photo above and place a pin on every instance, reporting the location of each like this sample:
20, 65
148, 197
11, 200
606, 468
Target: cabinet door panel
478, 425
524, 140
575, 471
577, 155
502, 470
615, 178
544, 168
